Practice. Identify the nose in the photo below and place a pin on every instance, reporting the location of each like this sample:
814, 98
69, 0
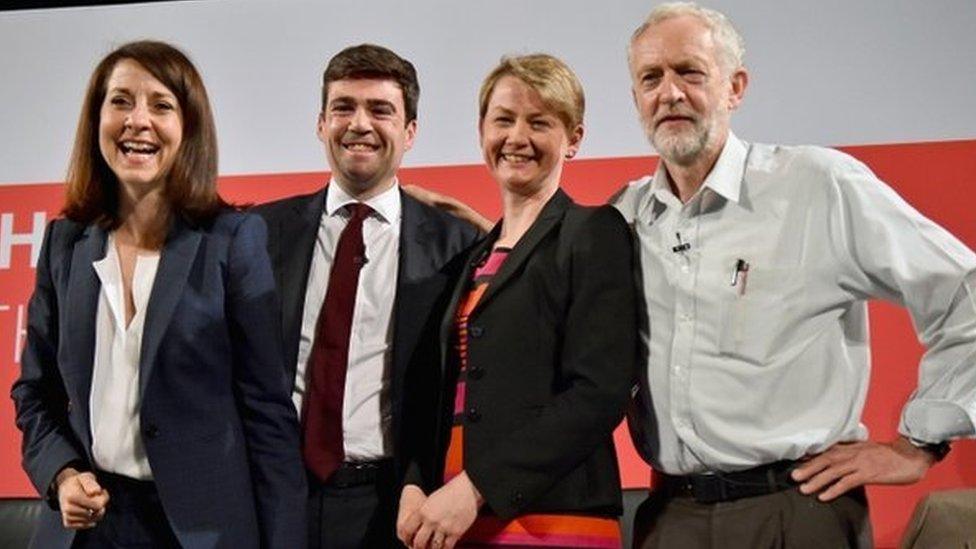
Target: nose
519, 133
360, 121
671, 90
138, 117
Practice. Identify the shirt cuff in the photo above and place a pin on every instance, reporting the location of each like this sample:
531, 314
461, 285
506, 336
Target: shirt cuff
935, 421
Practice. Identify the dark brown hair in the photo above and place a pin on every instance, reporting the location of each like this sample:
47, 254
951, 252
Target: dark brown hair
92, 194
372, 61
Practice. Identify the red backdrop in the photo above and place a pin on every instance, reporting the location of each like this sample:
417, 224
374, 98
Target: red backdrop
934, 177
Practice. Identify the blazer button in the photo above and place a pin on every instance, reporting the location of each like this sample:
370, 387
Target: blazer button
151, 431
475, 331
474, 416
517, 498
476, 372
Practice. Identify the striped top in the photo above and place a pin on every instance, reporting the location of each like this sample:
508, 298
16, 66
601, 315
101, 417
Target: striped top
535, 530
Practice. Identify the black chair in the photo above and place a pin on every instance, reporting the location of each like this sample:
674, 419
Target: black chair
18, 518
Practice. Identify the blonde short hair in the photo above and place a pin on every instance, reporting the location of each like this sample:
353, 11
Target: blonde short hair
552, 79
729, 41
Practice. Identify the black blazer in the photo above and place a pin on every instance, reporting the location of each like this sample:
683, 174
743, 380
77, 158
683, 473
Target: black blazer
429, 239
217, 422
551, 360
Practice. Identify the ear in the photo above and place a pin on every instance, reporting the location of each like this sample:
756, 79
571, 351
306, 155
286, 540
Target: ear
321, 128
739, 81
575, 140
411, 134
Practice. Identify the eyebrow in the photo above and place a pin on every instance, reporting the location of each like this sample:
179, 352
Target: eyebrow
369, 102
127, 91
532, 116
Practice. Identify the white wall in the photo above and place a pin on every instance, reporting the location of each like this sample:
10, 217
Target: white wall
832, 72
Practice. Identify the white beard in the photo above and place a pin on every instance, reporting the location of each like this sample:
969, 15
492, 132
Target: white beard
680, 147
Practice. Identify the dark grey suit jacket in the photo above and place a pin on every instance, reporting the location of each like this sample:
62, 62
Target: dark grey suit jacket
552, 355
429, 240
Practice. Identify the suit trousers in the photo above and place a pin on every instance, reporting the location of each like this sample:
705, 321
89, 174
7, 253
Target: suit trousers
785, 519
353, 515
134, 518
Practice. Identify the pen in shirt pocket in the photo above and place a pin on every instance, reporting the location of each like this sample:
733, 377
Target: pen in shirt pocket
740, 275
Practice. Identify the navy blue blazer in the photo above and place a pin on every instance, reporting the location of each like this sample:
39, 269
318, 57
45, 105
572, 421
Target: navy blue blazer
217, 422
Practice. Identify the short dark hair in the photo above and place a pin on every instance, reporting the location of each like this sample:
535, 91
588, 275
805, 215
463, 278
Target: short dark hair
372, 61
92, 194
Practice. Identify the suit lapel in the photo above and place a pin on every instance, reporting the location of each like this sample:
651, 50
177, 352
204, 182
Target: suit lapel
413, 256
175, 262
414, 264
293, 258
548, 219
80, 311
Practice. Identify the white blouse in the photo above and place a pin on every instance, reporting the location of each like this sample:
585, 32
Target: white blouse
115, 400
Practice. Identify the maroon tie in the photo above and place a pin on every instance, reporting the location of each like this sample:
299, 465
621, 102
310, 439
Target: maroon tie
322, 443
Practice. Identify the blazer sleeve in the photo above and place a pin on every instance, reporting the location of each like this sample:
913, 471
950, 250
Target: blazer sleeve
598, 362
39, 395
267, 413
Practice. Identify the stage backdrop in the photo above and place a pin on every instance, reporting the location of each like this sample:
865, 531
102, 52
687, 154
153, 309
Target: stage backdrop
890, 82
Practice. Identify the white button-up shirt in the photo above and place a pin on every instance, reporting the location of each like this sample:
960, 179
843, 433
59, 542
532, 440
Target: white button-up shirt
114, 402
776, 365
366, 407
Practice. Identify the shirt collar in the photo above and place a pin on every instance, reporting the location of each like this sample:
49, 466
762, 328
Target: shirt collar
725, 178
386, 204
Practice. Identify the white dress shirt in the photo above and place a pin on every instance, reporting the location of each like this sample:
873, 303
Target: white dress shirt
777, 365
115, 400
366, 410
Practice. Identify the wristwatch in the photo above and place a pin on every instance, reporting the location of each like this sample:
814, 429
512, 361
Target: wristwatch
938, 450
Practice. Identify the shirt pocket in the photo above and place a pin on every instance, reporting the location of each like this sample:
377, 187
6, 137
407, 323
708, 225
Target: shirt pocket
758, 315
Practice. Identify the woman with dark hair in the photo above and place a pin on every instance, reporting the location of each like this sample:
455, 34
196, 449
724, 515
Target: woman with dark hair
152, 394
538, 345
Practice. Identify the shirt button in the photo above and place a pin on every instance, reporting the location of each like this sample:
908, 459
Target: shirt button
475, 331
474, 416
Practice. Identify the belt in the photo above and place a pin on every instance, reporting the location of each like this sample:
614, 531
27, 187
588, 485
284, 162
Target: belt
717, 487
356, 473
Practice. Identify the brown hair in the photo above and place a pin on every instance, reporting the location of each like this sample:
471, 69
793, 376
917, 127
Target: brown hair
372, 61
92, 194
555, 82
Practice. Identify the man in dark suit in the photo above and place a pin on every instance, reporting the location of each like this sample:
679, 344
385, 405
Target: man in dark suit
359, 268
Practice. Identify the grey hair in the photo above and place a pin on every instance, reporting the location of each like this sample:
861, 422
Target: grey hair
733, 47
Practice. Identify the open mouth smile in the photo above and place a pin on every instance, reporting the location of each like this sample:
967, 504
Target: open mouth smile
138, 149
513, 158
360, 147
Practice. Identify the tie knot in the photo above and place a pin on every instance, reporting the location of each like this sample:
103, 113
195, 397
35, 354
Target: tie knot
358, 211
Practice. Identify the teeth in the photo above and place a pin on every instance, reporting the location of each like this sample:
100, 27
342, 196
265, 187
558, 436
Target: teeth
359, 146
139, 147
515, 158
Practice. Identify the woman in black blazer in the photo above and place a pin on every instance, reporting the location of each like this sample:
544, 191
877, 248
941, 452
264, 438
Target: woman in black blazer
152, 394
538, 345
